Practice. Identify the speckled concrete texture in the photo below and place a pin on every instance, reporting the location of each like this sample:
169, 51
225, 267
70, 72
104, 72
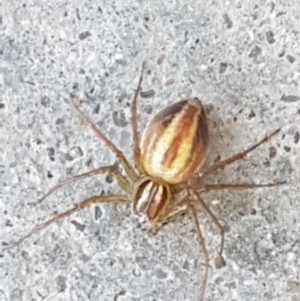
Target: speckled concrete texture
241, 58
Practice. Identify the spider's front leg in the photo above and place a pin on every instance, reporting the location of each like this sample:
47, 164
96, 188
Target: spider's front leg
219, 261
172, 215
109, 198
176, 212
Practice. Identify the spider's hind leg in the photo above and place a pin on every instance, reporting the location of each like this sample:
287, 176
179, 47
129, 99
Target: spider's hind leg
220, 165
130, 171
136, 144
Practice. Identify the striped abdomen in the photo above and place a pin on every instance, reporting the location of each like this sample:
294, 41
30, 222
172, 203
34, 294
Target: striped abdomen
175, 142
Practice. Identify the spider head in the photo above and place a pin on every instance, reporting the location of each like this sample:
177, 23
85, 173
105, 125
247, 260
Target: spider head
151, 199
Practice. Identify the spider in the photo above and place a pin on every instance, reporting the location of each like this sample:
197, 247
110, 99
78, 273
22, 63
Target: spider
167, 178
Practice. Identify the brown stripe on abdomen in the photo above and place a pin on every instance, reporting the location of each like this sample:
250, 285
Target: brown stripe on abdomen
187, 118
158, 124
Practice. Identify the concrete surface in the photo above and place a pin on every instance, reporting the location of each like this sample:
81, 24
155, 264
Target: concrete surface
240, 57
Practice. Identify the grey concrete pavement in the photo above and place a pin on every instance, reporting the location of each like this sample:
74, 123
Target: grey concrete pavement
241, 58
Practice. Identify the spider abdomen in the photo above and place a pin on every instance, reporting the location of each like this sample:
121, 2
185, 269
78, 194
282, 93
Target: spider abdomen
175, 142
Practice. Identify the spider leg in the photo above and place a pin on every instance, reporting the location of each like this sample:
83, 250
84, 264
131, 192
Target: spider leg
177, 211
240, 186
219, 262
241, 155
193, 214
123, 183
136, 144
173, 214
109, 198
124, 162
